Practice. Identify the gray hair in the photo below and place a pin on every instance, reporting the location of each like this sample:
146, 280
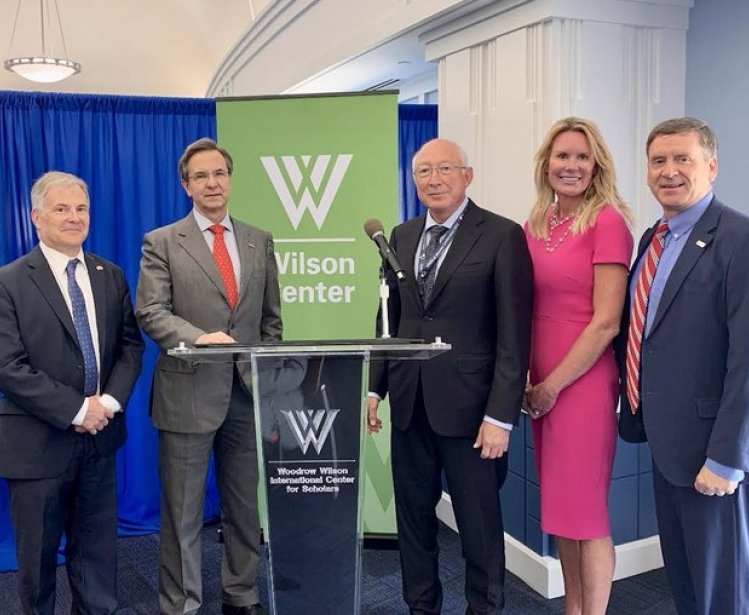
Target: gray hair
54, 179
461, 152
202, 145
679, 125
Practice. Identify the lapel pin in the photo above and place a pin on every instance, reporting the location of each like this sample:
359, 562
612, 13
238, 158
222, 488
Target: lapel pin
700, 244
99, 268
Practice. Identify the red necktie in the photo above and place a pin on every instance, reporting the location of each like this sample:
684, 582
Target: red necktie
638, 312
223, 263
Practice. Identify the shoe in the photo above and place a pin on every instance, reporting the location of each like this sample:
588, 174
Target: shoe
250, 609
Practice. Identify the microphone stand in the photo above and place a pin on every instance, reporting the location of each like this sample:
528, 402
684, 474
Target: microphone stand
384, 296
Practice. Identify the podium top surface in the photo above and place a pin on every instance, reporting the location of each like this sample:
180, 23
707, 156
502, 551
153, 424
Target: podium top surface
375, 349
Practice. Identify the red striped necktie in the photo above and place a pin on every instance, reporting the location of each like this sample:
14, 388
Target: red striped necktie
638, 312
223, 263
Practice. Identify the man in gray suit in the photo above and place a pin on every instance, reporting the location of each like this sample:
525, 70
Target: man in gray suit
207, 279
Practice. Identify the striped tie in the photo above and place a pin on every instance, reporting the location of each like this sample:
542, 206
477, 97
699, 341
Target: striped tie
638, 312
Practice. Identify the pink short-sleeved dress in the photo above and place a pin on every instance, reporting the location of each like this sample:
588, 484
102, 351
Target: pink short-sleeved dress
575, 442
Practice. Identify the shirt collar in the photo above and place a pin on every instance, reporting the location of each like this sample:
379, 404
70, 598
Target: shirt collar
57, 260
448, 224
684, 221
204, 223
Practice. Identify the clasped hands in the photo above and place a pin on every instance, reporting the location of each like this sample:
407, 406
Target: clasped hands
538, 400
97, 417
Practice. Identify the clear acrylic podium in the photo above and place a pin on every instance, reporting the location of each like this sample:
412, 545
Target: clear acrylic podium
310, 404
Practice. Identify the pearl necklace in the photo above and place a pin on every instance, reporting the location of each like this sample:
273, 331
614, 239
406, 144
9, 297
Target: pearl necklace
555, 223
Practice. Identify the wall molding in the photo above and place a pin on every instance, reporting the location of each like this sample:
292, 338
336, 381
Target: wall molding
544, 573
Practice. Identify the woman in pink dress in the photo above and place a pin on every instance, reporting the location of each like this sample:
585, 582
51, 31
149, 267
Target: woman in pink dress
579, 238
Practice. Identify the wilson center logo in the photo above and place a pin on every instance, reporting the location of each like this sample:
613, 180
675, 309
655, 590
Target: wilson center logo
306, 183
310, 426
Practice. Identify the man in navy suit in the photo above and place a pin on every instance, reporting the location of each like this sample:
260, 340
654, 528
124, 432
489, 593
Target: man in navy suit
468, 280
70, 352
687, 392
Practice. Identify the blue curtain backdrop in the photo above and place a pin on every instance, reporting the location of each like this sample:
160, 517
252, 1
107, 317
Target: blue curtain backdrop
126, 148
417, 124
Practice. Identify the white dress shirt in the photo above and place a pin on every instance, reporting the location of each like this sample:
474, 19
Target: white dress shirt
57, 263
230, 239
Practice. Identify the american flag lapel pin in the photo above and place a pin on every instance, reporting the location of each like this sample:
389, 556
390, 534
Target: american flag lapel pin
700, 244
99, 268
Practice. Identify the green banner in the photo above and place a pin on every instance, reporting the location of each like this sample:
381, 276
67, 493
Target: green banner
311, 170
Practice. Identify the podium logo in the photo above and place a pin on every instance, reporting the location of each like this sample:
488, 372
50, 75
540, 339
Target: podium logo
310, 426
306, 183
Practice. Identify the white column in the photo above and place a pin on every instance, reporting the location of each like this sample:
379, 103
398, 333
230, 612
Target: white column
506, 74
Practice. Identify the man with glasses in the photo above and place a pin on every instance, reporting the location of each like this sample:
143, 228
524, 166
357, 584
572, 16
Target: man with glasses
468, 280
207, 279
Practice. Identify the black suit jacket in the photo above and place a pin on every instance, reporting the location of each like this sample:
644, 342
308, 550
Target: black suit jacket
695, 362
41, 364
481, 304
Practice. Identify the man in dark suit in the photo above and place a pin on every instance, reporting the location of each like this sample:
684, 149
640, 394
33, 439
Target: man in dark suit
70, 352
684, 351
468, 280
207, 279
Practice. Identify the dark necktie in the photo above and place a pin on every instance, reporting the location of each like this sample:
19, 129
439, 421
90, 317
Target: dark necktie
428, 270
223, 263
83, 331
638, 314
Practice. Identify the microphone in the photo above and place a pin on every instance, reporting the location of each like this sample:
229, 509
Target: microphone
376, 232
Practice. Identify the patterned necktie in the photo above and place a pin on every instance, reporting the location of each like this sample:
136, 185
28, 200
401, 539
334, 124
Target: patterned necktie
223, 263
428, 270
638, 312
83, 331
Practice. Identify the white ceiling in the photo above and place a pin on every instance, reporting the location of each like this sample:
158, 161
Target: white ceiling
171, 47
144, 47
398, 60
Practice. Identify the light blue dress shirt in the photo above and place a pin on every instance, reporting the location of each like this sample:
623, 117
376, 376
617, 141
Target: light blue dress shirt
679, 229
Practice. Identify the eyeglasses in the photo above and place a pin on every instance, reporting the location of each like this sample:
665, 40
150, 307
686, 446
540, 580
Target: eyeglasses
201, 177
425, 172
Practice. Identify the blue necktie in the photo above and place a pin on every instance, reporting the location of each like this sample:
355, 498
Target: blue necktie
83, 331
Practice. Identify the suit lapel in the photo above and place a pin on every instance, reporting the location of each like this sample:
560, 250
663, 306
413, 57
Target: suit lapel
246, 248
645, 241
43, 277
407, 244
465, 237
98, 289
702, 233
193, 242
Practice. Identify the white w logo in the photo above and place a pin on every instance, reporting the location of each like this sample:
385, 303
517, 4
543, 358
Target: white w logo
306, 182
308, 426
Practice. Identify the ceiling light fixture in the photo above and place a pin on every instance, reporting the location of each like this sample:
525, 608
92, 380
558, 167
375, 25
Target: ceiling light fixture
43, 68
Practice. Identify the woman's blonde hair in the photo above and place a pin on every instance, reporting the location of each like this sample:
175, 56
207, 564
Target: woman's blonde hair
601, 192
